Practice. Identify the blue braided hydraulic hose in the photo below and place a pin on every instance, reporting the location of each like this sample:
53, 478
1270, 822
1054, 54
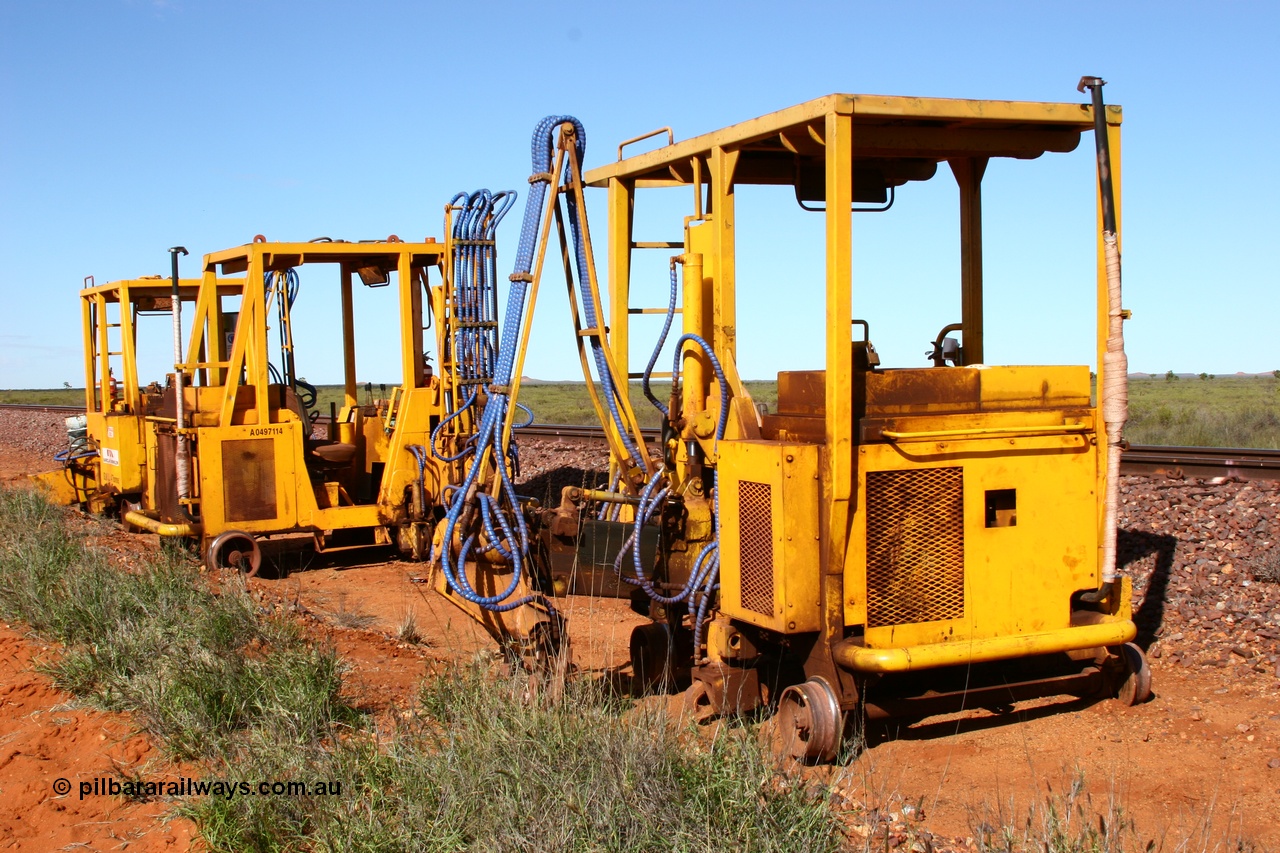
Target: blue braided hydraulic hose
65, 456
713, 574
721, 424
475, 293
705, 571
458, 580
715, 366
662, 339
611, 395
648, 504
489, 433
697, 575
475, 296
435, 433
528, 416
711, 586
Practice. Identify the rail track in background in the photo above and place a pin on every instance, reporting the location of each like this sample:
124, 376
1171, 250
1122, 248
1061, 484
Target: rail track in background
1149, 460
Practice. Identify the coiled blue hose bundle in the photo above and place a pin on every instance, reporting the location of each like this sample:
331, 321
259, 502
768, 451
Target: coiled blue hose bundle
475, 304
475, 283
512, 543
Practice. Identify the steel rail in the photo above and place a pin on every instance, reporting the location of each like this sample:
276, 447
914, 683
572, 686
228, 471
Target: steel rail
44, 407
1148, 460
1201, 462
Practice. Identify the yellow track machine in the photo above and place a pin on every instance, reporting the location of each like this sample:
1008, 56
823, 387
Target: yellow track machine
110, 461
892, 541
243, 458
238, 458
231, 451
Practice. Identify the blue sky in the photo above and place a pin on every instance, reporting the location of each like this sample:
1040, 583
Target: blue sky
128, 126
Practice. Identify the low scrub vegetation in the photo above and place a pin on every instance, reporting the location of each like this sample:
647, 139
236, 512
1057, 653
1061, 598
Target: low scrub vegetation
199, 668
481, 766
476, 764
1219, 412
476, 761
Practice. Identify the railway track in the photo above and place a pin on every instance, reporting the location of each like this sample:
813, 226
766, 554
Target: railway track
42, 407
1172, 462
1158, 461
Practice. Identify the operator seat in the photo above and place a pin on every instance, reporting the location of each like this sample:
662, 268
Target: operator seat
335, 454
320, 453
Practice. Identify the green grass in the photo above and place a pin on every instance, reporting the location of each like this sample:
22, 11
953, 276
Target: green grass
44, 396
1219, 412
199, 668
483, 767
478, 765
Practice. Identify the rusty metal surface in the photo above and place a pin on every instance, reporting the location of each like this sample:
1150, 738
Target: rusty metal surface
248, 479
755, 511
915, 546
167, 478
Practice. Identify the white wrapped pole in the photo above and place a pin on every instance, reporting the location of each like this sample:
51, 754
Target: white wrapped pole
1115, 403
1114, 393
183, 454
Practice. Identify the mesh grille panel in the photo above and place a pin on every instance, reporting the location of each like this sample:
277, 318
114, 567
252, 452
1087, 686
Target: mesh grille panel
755, 546
915, 546
249, 479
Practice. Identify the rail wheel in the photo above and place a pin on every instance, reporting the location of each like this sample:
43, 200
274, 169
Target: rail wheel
651, 653
696, 702
235, 550
1134, 686
809, 724
126, 507
546, 659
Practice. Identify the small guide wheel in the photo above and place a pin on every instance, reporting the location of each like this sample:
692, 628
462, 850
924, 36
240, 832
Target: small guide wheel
651, 651
235, 550
808, 725
1134, 686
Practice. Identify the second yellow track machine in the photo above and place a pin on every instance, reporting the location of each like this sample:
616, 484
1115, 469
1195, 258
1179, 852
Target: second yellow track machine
243, 458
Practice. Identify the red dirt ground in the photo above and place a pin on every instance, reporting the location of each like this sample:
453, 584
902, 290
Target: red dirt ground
1191, 763
42, 740
1196, 768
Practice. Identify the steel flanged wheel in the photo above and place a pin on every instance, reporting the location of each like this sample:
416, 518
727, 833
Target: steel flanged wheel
651, 650
235, 550
1135, 682
808, 724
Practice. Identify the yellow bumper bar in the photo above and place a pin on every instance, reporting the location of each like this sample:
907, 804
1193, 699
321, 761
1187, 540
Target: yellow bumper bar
986, 432
862, 659
137, 519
